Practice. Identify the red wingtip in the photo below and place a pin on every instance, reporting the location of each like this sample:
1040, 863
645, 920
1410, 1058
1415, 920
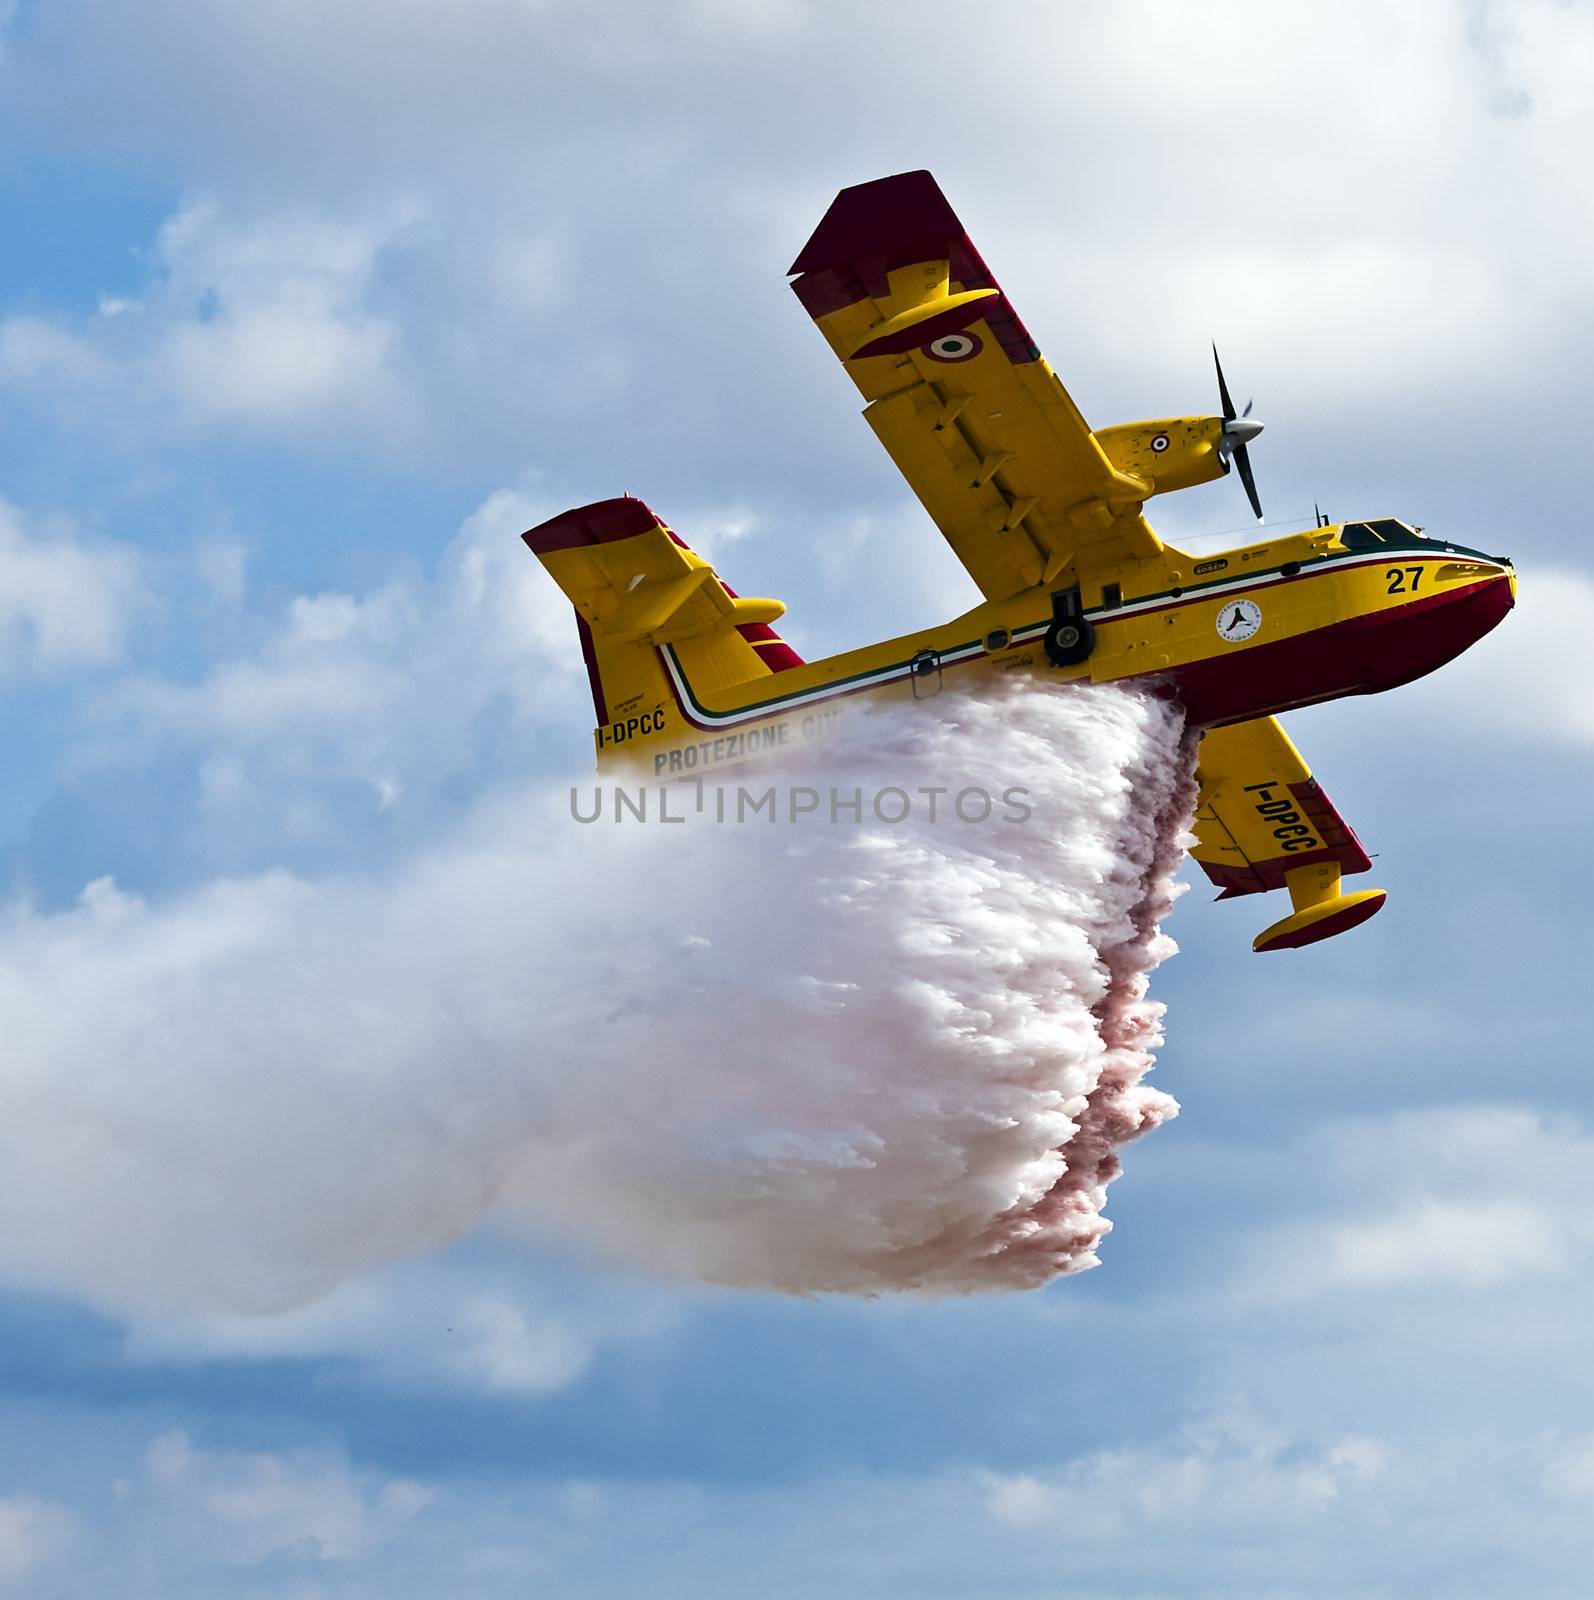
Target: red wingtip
899, 220
602, 522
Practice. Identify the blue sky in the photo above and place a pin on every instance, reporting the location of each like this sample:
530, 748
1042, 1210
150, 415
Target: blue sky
305, 312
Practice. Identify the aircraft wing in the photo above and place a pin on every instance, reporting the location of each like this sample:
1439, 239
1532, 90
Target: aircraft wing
958, 392
1263, 822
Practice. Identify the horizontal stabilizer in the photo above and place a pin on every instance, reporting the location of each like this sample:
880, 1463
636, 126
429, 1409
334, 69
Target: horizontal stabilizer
639, 591
633, 581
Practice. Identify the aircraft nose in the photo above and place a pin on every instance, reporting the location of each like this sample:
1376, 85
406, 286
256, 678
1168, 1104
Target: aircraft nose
1241, 430
1508, 571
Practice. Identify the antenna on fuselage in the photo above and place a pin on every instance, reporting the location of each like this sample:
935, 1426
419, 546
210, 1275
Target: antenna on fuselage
1322, 521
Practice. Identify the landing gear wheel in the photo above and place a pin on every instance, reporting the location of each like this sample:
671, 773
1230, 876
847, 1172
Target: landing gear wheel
1069, 641
1070, 636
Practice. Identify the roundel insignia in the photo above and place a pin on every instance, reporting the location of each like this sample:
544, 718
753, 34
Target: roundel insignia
1238, 620
1160, 443
953, 347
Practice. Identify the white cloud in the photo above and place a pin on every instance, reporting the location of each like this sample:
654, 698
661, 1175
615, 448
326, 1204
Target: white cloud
36, 351
386, 689
1452, 1198
33, 1533
1223, 1476
439, 1327
268, 320
1529, 681
711, 534
508, 1352
222, 565
249, 1505
1255, 1510
531, 274
408, 690
549, 166
879, 574
65, 602
774, 19
263, 323
1477, 1244
1570, 1471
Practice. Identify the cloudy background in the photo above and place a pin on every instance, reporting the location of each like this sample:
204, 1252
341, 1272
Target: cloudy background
305, 311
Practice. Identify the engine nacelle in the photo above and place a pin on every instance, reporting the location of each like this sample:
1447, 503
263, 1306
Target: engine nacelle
1172, 453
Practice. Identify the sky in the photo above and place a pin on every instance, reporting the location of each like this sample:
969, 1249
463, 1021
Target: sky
305, 313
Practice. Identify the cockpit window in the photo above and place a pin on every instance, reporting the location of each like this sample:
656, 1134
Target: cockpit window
1368, 535
1358, 536
1394, 532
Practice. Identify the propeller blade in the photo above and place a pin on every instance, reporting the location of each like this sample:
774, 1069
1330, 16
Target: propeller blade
1229, 412
1242, 459
1237, 430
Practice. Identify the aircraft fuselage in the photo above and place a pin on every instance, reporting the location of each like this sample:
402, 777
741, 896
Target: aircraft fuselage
1234, 635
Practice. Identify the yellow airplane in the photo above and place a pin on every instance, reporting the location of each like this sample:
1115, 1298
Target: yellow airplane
1047, 516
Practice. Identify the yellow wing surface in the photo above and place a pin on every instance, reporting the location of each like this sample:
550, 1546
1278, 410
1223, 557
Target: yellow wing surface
1263, 822
960, 396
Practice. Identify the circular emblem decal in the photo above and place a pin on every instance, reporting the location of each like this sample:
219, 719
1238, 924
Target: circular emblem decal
1238, 620
1160, 443
953, 347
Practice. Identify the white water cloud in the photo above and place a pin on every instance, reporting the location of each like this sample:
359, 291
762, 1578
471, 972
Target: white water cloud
846, 1058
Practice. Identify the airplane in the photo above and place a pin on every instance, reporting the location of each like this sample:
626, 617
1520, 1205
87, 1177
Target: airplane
1047, 516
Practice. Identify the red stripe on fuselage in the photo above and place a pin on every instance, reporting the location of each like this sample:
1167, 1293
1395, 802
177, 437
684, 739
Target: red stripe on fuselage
1362, 655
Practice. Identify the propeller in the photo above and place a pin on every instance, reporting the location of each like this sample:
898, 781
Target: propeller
1238, 429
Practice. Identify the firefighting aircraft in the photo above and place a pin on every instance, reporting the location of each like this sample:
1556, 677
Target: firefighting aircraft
1047, 516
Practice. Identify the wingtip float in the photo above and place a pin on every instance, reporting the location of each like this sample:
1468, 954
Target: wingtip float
1047, 515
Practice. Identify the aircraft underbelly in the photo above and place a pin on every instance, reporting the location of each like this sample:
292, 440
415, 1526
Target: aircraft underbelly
1360, 655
